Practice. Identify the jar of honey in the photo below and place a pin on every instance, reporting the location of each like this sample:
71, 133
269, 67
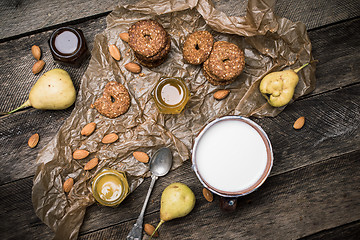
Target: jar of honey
170, 95
110, 187
68, 46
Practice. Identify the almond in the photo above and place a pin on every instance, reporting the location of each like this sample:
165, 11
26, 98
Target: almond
114, 52
88, 129
299, 123
36, 52
80, 154
124, 36
38, 66
141, 157
91, 164
221, 94
133, 67
68, 184
33, 140
208, 195
110, 138
149, 229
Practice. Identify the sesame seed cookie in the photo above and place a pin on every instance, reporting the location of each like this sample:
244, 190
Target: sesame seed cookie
226, 61
197, 47
147, 37
114, 101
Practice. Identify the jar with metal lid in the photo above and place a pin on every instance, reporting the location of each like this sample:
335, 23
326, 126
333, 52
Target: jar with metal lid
68, 46
171, 95
110, 187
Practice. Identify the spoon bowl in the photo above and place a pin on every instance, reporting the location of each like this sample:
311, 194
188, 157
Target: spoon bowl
161, 162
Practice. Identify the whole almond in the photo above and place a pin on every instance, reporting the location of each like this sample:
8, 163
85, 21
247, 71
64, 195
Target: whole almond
110, 138
38, 66
80, 154
141, 157
33, 140
221, 94
208, 195
88, 129
133, 67
299, 123
91, 164
114, 52
68, 184
124, 36
36, 52
149, 229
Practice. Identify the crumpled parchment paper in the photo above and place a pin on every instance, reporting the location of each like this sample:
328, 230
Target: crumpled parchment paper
270, 43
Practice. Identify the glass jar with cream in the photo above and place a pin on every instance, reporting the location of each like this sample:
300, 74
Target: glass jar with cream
68, 46
110, 187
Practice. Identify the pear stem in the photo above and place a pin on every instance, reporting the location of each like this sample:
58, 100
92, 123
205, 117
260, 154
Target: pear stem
298, 69
157, 227
24, 105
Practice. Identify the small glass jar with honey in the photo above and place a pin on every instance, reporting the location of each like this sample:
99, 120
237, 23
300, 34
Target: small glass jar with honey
171, 95
110, 187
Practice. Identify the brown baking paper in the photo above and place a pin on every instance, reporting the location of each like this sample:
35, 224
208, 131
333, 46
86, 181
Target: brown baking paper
270, 44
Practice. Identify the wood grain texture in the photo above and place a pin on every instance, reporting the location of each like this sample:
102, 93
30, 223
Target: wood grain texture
38, 16
286, 202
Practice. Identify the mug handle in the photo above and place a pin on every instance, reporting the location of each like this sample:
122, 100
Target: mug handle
228, 204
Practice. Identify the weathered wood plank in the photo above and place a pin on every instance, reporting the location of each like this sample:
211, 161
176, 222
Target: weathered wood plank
337, 55
286, 202
38, 16
350, 231
20, 17
16, 129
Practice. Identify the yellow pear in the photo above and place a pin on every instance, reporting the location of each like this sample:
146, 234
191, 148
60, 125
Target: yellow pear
177, 200
278, 87
54, 90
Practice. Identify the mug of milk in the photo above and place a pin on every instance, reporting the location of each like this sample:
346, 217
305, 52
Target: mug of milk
232, 156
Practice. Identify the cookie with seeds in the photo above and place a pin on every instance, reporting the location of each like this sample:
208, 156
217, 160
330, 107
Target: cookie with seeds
115, 100
226, 61
147, 37
197, 47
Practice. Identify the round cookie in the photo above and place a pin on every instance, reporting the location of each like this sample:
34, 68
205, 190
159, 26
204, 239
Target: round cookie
114, 101
197, 47
162, 54
147, 37
226, 61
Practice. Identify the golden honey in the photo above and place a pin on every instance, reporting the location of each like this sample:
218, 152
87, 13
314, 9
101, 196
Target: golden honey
110, 187
171, 95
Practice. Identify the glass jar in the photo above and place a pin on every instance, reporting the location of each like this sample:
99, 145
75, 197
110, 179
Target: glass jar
170, 95
68, 46
110, 187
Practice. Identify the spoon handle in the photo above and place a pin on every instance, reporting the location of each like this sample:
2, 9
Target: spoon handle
136, 231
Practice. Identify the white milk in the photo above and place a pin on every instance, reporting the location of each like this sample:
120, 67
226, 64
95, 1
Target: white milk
231, 156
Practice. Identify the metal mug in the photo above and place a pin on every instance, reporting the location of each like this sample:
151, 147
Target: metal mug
228, 199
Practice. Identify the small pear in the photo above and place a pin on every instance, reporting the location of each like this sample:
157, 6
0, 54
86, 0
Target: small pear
54, 90
278, 87
177, 200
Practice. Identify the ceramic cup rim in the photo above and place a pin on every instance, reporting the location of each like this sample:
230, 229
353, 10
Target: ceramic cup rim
263, 177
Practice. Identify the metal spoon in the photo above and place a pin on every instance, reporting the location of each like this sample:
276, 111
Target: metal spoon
160, 165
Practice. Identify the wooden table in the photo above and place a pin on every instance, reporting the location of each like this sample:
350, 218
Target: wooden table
313, 191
